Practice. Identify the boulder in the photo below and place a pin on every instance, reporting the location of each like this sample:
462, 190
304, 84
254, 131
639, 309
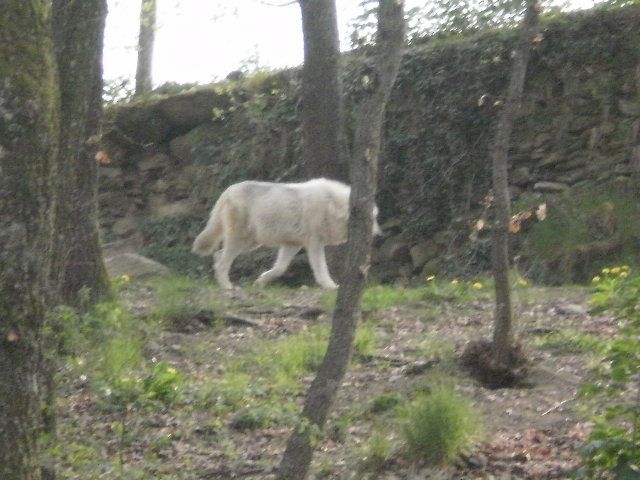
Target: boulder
158, 161
424, 251
180, 148
181, 208
124, 226
550, 187
393, 249
520, 176
135, 266
630, 108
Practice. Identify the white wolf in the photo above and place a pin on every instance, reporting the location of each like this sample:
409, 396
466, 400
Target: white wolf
290, 216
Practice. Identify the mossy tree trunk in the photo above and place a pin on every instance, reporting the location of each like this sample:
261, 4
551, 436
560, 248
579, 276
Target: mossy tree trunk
376, 83
146, 39
322, 111
28, 138
78, 29
503, 328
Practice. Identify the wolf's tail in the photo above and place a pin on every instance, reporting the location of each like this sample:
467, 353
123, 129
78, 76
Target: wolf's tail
208, 240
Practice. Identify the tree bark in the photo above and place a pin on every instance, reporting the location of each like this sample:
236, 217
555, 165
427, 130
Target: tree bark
322, 113
377, 83
503, 329
78, 29
146, 41
28, 137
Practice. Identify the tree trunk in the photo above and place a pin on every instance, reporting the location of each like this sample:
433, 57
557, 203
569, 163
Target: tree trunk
503, 330
78, 29
28, 137
145, 46
322, 117
370, 112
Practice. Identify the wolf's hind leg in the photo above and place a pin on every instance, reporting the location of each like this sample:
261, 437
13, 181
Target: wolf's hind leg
319, 266
223, 261
285, 255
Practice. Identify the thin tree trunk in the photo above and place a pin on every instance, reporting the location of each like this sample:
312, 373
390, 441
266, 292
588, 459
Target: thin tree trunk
322, 113
503, 329
28, 137
320, 397
146, 41
78, 29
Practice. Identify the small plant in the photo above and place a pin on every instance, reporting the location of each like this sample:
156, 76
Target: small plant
250, 419
614, 392
293, 356
438, 425
365, 342
162, 383
385, 402
378, 449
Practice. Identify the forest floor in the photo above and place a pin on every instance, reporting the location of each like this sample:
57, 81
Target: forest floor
232, 415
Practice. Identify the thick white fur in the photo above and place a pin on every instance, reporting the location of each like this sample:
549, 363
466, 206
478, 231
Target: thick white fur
290, 216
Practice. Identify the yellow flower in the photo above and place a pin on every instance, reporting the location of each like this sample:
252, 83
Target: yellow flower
431, 278
522, 282
595, 279
171, 370
454, 281
478, 285
606, 270
615, 270
625, 267
624, 274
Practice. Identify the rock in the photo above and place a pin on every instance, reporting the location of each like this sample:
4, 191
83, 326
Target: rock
571, 309
181, 208
550, 160
393, 249
124, 226
550, 187
579, 123
127, 245
630, 108
155, 162
160, 186
180, 148
542, 140
422, 252
520, 176
135, 266
141, 123
186, 111
392, 225
571, 177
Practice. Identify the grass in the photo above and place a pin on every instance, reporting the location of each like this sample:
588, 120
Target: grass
568, 341
257, 384
438, 425
380, 297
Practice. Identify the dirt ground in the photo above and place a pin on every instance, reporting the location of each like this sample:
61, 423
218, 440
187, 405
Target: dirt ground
529, 432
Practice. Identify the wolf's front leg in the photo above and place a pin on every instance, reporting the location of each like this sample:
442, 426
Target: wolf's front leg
285, 255
319, 266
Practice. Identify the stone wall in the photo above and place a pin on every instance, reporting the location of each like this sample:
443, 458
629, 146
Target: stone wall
580, 128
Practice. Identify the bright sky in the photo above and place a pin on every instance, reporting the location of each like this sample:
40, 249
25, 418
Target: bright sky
199, 41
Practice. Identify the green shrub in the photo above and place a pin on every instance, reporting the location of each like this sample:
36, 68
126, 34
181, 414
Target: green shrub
612, 448
439, 424
590, 216
385, 402
251, 419
378, 449
365, 341
162, 383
